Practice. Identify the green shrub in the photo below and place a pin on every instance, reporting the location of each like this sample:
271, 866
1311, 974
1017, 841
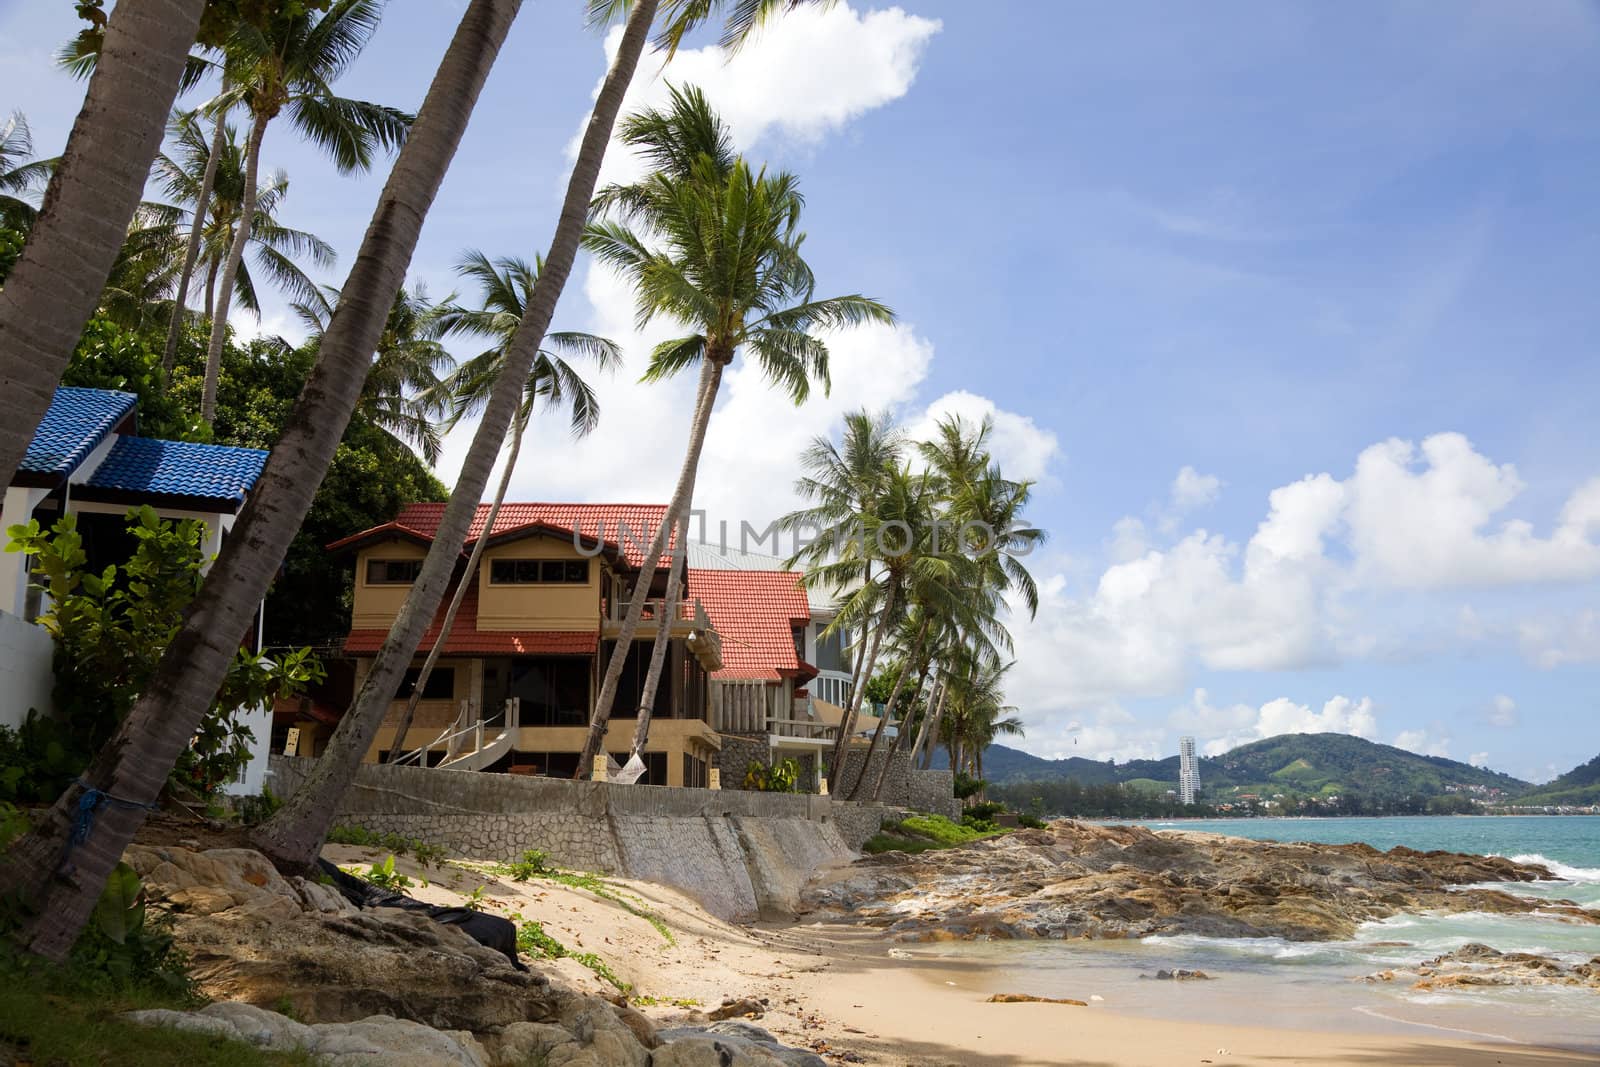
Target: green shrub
780, 777
1031, 822
533, 863
968, 786
384, 876
984, 809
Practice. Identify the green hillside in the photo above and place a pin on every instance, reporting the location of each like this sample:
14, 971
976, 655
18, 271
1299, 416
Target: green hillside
1579, 786
1294, 765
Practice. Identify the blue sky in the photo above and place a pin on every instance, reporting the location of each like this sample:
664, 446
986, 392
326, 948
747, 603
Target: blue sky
1256, 243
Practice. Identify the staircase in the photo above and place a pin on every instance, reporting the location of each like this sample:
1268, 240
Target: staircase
472, 746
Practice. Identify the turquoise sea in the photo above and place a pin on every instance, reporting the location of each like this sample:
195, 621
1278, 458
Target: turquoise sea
1315, 985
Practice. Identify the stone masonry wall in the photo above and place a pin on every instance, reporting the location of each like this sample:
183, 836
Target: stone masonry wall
741, 854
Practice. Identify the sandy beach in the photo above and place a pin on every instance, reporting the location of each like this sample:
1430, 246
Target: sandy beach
855, 997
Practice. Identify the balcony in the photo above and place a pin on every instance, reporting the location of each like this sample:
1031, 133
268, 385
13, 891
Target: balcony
831, 686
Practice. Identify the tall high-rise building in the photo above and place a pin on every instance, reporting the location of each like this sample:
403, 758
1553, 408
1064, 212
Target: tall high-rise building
1188, 770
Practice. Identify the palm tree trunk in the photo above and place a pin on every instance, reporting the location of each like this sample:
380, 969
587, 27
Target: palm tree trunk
899, 735
211, 283
397, 746
60, 866
922, 745
196, 232
658, 653
848, 724
56, 282
888, 713
682, 493
230, 269
293, 836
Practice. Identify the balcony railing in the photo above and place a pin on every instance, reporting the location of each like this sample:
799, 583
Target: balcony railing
832, 686
804, 729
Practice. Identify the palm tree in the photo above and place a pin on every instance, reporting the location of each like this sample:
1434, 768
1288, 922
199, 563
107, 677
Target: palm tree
54, 285
717, 250
290, 64
505, 284
61, 865
976, 715
20, 173
278, 249
295, 833
404, 392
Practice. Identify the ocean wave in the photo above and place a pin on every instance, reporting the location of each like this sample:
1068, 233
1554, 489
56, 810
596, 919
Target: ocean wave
1587, 875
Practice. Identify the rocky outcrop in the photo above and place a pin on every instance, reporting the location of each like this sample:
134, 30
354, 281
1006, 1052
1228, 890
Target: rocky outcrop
1082, 880
392, 986
1477, 966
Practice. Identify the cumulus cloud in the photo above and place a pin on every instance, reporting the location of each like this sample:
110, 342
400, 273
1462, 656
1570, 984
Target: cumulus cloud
1479, 759
1222, 728
1192, 490
1021, 446
1503, 712
1421, 742
1407, 518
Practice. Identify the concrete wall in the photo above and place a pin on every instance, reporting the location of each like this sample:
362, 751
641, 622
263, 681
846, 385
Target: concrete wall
26, 678
905, 786
743, 855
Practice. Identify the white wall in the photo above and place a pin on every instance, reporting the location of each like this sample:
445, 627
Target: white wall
25, 675
16, 508
255, 772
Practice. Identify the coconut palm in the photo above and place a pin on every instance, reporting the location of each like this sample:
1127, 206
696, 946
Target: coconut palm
53, 287
713, 245
505, 286
20, 173
404, 393
278, 250
61, 865
289, 64
976, 714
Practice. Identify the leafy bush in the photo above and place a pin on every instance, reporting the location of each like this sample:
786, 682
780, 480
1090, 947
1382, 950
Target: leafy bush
1031, 822
919, 833
384, 876
984, 809
982, 826
127, 945
532, 939
533, 863
110, 630
780, 777
968, 786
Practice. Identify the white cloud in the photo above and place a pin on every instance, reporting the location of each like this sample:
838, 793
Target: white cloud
1192, 490
1503, 712
1479, 759
1022, 448
1220, 729
817, 69
1420, 742
1554, 642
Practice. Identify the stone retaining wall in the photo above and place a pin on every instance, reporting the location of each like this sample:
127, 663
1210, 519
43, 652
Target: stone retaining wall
741, 854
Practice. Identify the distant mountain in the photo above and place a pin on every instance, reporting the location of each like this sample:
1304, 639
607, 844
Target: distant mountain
1579, 786
1303, 764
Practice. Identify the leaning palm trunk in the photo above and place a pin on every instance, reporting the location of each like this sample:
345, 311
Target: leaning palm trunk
230, 269
899, 735
398, 745
658, 652
60, 866
56, 282
847, 723
294, 835
705, 400
922, 744
888, 713
191, 254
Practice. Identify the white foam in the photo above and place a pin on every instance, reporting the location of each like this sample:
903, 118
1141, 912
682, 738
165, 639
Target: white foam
1588, 875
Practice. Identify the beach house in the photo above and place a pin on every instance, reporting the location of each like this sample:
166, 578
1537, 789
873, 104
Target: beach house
88, 460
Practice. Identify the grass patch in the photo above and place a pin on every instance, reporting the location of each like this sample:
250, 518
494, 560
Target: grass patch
648, 1001
55, 1015
533, 865
922, 833
536, 942
424, 853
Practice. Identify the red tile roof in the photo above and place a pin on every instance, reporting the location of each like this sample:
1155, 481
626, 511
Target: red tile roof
467, 640
631, 527
755, 613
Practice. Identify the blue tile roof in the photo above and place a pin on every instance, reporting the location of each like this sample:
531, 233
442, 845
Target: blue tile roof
178, 468
76, 422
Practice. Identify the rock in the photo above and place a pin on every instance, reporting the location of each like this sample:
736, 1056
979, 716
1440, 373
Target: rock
1083, 880
713, 1052
1028, 998
1181, 975
526, 1043
378, 1039
733, 1008
738, 1038
1478, 966
644, 1030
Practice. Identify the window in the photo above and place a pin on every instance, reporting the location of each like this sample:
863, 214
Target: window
393, 571
539, 572
441, 684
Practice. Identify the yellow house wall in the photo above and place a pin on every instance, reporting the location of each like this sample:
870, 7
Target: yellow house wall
374, 607
538, 606
432, 715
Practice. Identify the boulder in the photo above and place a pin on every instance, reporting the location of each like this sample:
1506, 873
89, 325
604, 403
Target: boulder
377, 1039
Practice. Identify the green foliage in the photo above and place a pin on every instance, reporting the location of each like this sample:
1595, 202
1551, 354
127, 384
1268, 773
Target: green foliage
648, 1001
110, 356
424, 853
920, 833
967, 786
533, 864
384, 876
13, 824
984, 809
532, 939
780, 777
1030, 822
110, 629
475, 899
1578, 787
982, 826
10, 249
125, 945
